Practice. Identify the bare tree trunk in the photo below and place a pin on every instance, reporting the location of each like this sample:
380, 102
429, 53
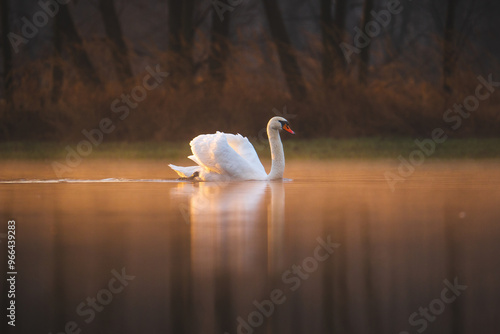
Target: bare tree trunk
67, 40
339, 28
405, 16
332, 31
397, 40
68, 34
219, 49
289, 65
365, 52
326, 30
115, 35
57, 72
180, 39
6, 48
449, 52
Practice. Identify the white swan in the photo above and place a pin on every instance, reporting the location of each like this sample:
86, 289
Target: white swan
224, 157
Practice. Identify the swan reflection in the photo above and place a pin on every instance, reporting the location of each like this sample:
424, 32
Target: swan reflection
236, 233
231, 202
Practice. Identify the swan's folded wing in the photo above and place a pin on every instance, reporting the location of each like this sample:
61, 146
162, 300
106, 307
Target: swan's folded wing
215, 154
243, 147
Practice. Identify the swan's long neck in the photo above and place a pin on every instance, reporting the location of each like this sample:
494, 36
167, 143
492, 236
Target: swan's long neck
277, 155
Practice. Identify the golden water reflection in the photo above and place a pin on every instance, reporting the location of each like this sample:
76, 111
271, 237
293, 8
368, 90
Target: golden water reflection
204, 254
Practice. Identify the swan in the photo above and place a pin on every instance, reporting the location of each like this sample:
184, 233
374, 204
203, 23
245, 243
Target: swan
226, 157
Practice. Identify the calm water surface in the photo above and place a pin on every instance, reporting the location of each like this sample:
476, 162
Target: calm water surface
331, 250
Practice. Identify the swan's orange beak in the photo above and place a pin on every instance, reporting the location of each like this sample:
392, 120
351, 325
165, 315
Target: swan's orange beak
286, 127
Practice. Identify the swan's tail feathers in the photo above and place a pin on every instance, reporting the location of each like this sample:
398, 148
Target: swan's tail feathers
195, 159
186, 172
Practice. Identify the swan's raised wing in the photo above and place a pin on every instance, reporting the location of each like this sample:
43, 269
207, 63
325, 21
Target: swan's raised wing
243, 147
227, 154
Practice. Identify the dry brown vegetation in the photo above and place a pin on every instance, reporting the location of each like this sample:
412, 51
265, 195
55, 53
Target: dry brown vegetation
397, 101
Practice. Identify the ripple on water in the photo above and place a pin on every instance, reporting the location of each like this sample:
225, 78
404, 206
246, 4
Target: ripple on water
108, 180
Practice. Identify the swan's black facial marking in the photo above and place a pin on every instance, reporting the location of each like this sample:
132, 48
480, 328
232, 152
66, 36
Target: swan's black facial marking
283, 123
286, 126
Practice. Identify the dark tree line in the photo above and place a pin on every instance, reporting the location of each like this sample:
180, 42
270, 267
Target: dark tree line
181, 31
443, 33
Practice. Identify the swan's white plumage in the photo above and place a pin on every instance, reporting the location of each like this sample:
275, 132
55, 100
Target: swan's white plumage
185, 171
223, 157
229, 156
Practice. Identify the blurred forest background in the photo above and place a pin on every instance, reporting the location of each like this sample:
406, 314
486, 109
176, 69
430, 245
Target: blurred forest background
231, 62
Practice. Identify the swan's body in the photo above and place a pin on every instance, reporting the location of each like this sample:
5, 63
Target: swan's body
225, 157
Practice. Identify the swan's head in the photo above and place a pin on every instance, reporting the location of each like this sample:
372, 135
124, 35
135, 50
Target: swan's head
279, 123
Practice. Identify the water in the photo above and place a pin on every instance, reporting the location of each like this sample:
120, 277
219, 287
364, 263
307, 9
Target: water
330, 250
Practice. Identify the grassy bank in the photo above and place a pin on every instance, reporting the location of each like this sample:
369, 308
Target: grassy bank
360, 148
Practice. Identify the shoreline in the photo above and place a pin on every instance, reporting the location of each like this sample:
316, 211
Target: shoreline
321, 149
